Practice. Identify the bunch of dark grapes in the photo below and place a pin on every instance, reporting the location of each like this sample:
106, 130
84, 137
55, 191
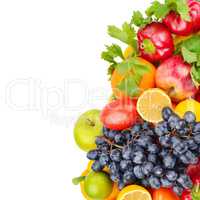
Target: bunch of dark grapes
148, 155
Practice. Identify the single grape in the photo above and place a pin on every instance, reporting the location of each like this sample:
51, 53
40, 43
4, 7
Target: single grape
93, 155
126, 153
138, 157
116, 155
172, 121
152, 158
147, 168
191, 144
197, 138
191, 157
158, 171
165, 183
136, 129
153, 148
97, 167
154, 182
128, 177
125, 164
138, 172
196, 128
181, 148
166, 113
189, 117
171, 175
114, 168
169, 161
165, 140
120, 138
100, 141
104, 159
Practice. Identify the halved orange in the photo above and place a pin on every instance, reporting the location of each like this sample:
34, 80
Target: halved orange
151, 103
134, 192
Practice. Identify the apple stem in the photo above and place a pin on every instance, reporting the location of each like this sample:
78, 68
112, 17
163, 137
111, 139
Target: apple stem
78, 180
90, 122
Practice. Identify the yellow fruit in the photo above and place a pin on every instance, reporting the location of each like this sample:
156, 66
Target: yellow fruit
151, 103
134, 192
188, 105
128, 53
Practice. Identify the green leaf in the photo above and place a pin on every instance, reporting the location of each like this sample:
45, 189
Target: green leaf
78, 180
126, 34
195, 73
193, 44
111, 53
129, 86
158, 10
180, 6
188, 56
133, 71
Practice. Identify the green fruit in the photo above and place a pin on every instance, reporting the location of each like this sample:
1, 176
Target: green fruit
87, 128
98, 185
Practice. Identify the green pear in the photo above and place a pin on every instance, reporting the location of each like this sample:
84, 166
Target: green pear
87, 128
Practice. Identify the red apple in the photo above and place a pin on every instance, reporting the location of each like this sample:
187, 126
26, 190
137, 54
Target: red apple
173, 76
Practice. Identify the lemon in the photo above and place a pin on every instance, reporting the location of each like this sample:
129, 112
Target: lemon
135, 192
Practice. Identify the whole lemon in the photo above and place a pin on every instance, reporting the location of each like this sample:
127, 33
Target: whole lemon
188, 105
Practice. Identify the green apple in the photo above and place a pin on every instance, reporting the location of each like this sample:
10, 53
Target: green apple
87, 128
98, 185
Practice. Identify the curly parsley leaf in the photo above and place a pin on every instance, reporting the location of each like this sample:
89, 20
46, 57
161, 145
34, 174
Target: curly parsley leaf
139, 20
125, 34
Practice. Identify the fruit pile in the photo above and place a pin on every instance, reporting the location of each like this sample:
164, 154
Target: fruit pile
145, 143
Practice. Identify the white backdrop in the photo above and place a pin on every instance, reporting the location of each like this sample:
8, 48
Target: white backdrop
51, 71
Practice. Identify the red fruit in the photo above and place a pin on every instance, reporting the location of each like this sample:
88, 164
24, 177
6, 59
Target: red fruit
186, 195
173, 76
155, 42
119, 114
198, 96
194, 170
181, 27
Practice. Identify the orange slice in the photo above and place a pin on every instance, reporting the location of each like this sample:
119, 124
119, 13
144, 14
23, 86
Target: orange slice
151, 103
134, 192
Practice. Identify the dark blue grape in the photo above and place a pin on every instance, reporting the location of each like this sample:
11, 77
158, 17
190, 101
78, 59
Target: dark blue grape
96, 166
144, 140
165, 141
152, 158
104, 159
172, 121
153, 148
166, 113
189, 117
136, 129
114, 168
100, 141
165, 183
181, 148
158, 171
191, 157
196, 128
147, 168
104, 148
169, 161
116, 155
181, 124
145, 126
126, 153
197, 138
125, 164
185, 181
128, 177
171, 175
93, 155
191, 144
145, 183
154, 182
120, 138
138, 157
178, 190
138, 172
175, 141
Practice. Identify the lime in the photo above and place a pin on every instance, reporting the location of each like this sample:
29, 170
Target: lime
98, 185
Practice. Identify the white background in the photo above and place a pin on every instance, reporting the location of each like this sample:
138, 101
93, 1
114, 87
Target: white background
51, 71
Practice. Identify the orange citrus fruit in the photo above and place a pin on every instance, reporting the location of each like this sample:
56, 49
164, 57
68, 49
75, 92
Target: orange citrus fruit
151, 103
135, 192
115, 190
148, 80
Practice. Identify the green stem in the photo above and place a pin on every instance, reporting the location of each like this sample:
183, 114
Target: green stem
78, 180
149, 46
